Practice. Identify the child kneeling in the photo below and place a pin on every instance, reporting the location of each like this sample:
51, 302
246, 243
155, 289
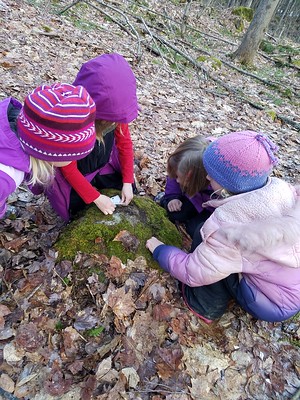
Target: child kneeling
249, 248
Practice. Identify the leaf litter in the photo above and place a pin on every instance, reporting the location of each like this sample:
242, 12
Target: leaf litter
69, 333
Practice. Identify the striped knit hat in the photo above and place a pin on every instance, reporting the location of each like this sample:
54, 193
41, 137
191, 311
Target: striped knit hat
57, 123
240, 161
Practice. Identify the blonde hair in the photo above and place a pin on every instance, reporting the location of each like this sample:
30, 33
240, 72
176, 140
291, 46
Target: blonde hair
42, 172
103, 127
187, 160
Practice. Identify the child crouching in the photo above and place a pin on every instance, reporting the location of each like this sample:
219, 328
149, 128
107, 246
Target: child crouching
249, 248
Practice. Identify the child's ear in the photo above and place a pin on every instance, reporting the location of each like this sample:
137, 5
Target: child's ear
189, 174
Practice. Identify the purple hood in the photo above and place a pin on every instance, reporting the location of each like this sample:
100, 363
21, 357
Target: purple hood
111, 83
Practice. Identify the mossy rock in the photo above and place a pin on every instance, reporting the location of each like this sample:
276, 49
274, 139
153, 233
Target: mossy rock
95, 233
244, 12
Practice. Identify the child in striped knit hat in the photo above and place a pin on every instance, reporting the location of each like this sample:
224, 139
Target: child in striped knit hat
249, 248
111, 83
55, 126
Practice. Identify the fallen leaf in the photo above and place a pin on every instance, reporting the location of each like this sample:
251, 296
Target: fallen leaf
28, 337
121, 303
4, 310
115, 268
128, 240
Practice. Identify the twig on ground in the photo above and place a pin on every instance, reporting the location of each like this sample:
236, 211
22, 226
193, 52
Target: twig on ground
69, 6
156, 50
117, 10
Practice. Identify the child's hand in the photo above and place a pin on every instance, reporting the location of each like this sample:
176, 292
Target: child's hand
174, 205
152, 243
127, 193
105, 204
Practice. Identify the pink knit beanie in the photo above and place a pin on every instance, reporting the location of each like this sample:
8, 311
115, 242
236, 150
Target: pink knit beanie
57, 123
240, 161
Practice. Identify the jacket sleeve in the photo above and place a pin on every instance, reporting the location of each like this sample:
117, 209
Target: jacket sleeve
173, 188
7, 186
210, 262
125, 149
79, 183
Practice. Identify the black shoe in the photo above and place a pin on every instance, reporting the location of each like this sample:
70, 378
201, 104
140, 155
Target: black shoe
158, 198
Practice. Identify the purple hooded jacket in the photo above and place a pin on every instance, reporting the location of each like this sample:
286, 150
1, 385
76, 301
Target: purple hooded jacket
14, 162
111, 83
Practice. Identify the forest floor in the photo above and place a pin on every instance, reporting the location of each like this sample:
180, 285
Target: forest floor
63, 333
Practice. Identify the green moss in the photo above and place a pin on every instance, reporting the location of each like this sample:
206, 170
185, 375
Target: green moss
267, 47
288, 93
239, 25
94, 332
279, 49
216, 63
243, 12
272, 114
202, 58
94, 232
288, 50
59, 326
47, 28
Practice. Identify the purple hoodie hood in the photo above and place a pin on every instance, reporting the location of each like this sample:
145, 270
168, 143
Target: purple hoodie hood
111, 83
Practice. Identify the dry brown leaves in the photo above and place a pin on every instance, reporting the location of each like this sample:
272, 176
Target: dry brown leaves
69, 332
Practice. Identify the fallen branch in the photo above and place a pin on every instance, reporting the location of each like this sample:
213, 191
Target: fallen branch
190, 27
241, 71
289, 121
157, 38
136, 34
69, 6
221, 83
228, 64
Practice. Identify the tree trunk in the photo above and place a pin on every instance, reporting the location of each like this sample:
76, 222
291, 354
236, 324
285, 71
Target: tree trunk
247, 50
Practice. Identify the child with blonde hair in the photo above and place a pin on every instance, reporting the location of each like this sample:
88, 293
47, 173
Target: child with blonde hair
111, 83
249, 248
55, 126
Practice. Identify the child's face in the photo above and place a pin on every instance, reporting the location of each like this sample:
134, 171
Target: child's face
215, 186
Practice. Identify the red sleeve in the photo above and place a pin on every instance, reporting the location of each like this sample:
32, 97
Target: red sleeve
79, 183
125, 148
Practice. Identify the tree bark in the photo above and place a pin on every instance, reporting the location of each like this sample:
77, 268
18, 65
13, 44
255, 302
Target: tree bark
248, 48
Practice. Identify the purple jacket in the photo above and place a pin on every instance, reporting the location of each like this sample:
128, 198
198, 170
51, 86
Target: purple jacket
255, 234
111, 83
14, 162
173, 191
58, 193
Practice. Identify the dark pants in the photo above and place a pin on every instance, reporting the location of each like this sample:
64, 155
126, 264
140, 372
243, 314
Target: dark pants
210, 301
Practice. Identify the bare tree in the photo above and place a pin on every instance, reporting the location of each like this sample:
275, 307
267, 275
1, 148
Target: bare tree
250, 43
288, 18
